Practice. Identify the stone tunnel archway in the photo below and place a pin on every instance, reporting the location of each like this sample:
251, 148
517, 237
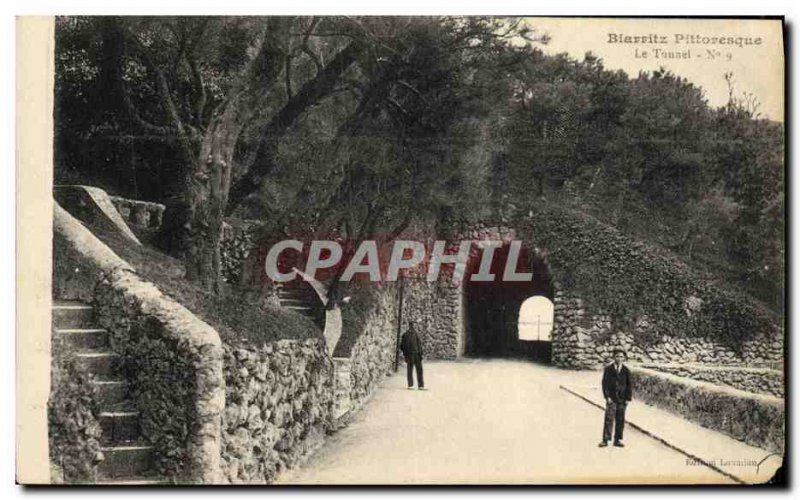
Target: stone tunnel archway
491, 309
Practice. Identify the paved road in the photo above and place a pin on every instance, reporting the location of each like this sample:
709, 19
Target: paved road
488, 421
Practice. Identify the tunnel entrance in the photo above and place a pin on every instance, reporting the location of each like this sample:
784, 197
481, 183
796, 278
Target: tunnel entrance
492, 308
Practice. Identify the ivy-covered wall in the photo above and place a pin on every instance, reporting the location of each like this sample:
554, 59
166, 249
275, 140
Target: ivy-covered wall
239, 239
611, 284
73, 426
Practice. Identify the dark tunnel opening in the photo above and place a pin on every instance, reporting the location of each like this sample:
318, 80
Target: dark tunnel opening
492, 308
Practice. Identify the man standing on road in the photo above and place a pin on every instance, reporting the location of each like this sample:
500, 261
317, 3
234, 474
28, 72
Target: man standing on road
411, 347
617, 391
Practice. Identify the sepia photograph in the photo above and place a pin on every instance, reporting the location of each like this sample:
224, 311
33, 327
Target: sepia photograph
401, 250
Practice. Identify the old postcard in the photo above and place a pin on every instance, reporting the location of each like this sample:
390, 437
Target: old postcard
371, 250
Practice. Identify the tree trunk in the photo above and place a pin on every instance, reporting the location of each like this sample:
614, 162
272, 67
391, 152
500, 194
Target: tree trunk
206, 198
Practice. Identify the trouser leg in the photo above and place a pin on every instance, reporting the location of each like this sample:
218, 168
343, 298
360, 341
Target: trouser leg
410, 372
619, 424
420, 380
608, 421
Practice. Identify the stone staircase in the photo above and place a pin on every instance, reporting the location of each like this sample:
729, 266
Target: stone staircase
128, 461
300, 296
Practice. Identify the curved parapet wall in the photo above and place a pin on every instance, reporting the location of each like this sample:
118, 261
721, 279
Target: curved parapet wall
173, 359
143, 215
333, 315
367, 350
94, 207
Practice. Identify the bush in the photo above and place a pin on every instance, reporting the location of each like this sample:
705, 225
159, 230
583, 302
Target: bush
72, 409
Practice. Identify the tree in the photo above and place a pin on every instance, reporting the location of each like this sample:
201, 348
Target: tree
414, 148
249, 62
227, 94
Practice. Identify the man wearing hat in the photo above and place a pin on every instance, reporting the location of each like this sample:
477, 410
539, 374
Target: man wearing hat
617, 391
411, 346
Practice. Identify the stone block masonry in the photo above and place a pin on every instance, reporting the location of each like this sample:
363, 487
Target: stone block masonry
756, 380
436, 310
364, 358
279, 404
756, 419
172, 358
174, 362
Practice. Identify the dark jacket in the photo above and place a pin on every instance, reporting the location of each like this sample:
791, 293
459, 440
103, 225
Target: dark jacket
410, 344
618, 387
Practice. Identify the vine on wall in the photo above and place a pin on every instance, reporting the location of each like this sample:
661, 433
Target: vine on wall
74, 431
629, 280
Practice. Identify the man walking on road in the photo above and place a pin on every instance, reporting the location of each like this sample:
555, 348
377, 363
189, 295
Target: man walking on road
617, 391
411, 347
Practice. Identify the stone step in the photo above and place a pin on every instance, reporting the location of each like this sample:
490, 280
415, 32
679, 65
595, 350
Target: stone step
298, 308
305, 297
119, 426
297, 289
111, 392
100, 363
297, 302
71, 314
125, 461
85, 338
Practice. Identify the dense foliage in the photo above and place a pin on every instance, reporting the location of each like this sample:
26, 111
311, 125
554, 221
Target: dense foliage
630, 280
354, 129
650, 157
72, 409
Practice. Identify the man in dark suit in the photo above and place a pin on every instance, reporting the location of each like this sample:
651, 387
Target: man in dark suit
411, 347
617, 390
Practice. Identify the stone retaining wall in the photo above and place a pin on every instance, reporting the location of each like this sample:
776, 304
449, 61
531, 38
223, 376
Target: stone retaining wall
172, 358
373, 355
174, 362
683, 327
364, 358
436, 309
659, 305
586, 341
342, 386
757, 380
756, 419
278, 407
